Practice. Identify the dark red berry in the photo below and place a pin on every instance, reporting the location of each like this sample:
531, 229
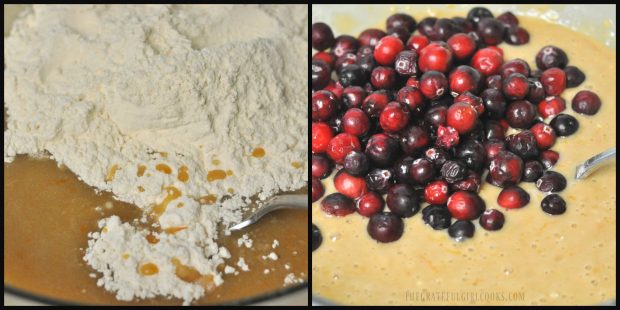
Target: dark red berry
471, 183
493, 130
320, 74
523, 144
462, 117
355, 122
491, 31
433, 84
553, 81
356, 163
516, 35
487, 60
493, 147
586, 102
505, 169
494, 103
349, 185
382, 150
426, 25
406, 63
516, 86
383, 77
380, 180
465, 205
462, 45
494, 82
532, 171
520, 114
435, 57
463, 24
553, 204
401, 19
352, 75
344, 61
321, 135
551, 106
337, 204
365, 50
453, 171
508, 19
385, 227
411, 96
443, 29
321, 166
401, 169
413, 139
399, 32
402, 200
317, 239
387, 49
413, 82
472, 100
394, 117
322, 36
345, 44
513, 197
340, 145
464, 79
551, 57
437, 217
436, 115
564, 125
537, 91
472, 153
447, 137
476, 14
551, 181
326, 57
367, 63
461, 230
317, 189
370, 204
374, 103
549, 158
422, 171
370, 37
437, 156
574, 76
544, 134
436, 192
514, 66
324, 105
492, 219
353, 96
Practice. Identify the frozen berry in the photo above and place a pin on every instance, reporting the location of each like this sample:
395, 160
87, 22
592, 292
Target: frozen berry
402, 200
520, 114
387, 49
516, 86
551, 181
461, 230
352, 75
317, 239
551, 106
435, 57
340, 145
413, 139
356, 163
385, 227
394, 117
383, 77
513, 197
491, 31
464, 79
437, 217
462, 117
317, 189
321, 166
586, 102
322, 36
532, 171
564, 125
505, 169
321, 135
370, 37
436, 192
370, 204
345, 44
462, 45
553, 81
553, 204
523, 144
401, 19
549, 158
574, 76
380, 180
355, 122
492, 219
447, 137
320, 74
337, 204
406, 63
551, 57
417, 42
382, 150
544, 134
465, 205
349, 185
487, 60
421, 171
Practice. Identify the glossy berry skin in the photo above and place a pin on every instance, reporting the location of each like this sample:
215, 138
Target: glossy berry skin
549, 158
586, 102
382, 150
413, 139
433, 84
465, 205
564, 125
436, 115
385, 227
411, 96
437, 217
520, 114
345, 44
402, 200
505, 169
513, 197
355, 122
443, 29
574, 76
345, 60
356, 164
374, 103
340, 145
337, 204
462, 117
435, 57
532, 171
551, 106
464, 79
508, 19
325, 57
353, 96
553, 204
401, 19
494, 82
352, 75
370, 204
321, 166
462, 45
349, 185
491, 31
472, 153
516, 36
551, 57
553, 81
515, 86
406, 63
461, 230
380, 180
417, 42
544, 134
514, 66
394, 117
493, 147
494, 103
317, 239
551, 181
317, 189
476, 14
322, 36
492, 220
370, 37
387, 49
487, 60
523, 144
421, 171
321, 135
383, 77
436, 192
320, 74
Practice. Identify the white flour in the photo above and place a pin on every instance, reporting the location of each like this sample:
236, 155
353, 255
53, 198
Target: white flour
114, 91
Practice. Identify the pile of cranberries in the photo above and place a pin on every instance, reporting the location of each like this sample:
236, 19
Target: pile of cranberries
420, 113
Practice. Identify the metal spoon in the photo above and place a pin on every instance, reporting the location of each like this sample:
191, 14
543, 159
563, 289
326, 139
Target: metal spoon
585, 169
298, 201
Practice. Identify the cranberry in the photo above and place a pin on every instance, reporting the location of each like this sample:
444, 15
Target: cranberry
345, 44
401, 19
551, 106
514, 66
520, 114
443, 29
473, 153
365, 50
537, 91
413, 82
344, 61
491, 31
370, 204
436, 192
472, 100
321, 166
340, 145
462, 117
551, 57
437, 156
382, 150
474, 35
321, 135
356, 164
337, 204
463, 24
326, 57
352, 75
387, 49
422, 171
426, 25
355, 122
505, 169
574, 76
367, 63
461, 230
494, 103
462, 45
417, 42
494, 146
349, 185
548, 158
453, 171
324, 105
399, 32
435, 57
465, 205
385, 227
494, 82
544, 134
433, 84
383, 77
513, 197
374, 103
406, 63
463, 79
516, 35
322, 36
436, 115
551, 181
516, 86
317, 239
437, 217
487, 61
564, 125
353, 96
402, 200
413, 139
317, 189
394, 117
411, 96
523, 144
401, 169
532, 171
497, 49
447, 137
553, 81
471, 183
320, 74
586, 102
380, 180
493, 130
508, 19
370, 37
553, 204
492, 219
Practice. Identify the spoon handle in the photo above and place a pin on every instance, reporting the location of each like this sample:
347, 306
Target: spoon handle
593, 163
295, 201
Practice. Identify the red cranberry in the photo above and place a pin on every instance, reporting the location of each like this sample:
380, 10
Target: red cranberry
374, 103
551, 181
447, 137
326, 57
564, 125
426, 25
514, 66
505, 169
472, 100
433, 84
399, 32
453, 171
345, 60
437, 156
365, 50
553, 81
401, 19
422, 171
385, 227
551, 106
317, 189
520, 114
436, 192
549, 158
355, 122
383, 77
471, 183
462, 117
321, 166
586, 102
443, 29
516, 36
413, 139
435, 57
523, 144
321, 135
337, 204
413, 82
356, 164
324, 105
537, 91
394, 117
497, 49
411, 96
322, 36
462, 45
461, 230
508, 19
344, 44
348, 185
382, 150
487, 61
406, 63
553, 204
516, 86
353, 96
387, 49
491, 31
402, 200
494, 103
370, 36
513, 197
380, 180
352, 75
493, 147
544, 134
438, 217
492, 219
320, 74
340, 145
494, 82
463, 79
465, 205
370, 204
551, 57
436, 115
336, 89
417, 42
532, 171
476, 14
493, 130
574, 76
